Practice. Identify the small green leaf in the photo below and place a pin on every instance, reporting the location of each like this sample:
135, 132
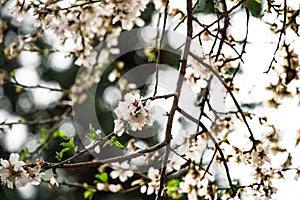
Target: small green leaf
59, 155
250, 105
255, 7
59, 134
117, 143
106, 143
127, 128
151, 56
13, 73
24, 153
205, 6
85, 185
91, 128
43, 133
230, 70
88, 194
114, 142
103, 177
68, 146
21, 120
172, 186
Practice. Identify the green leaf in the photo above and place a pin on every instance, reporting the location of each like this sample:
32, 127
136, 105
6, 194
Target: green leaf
114, 142
103, 177
88, 194
85, 185
127, 128
13, 73
21, 120
59, 155
151, 56
172, 186
230, 70
59, 134
255, 7
204, 6
68, 146
43, 133
24, 153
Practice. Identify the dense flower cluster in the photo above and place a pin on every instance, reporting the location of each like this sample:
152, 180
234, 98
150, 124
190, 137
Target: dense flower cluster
133, 112
153, 185
196, 76
78, 23
195, 185
16, 171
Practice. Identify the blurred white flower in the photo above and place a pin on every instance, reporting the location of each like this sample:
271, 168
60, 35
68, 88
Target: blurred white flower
122, 171
109, 187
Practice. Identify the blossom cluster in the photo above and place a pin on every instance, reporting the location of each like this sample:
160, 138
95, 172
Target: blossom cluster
196, 76
77, 24
132, 112
16, 171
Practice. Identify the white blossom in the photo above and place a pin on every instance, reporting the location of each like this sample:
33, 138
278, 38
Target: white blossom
122, 171
175, 161
128, 12
195, 79
54, 180
12, 170
109, 187
153, 184
133, 112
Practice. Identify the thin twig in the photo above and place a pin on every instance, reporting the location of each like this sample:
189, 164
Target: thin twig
282, 31
158, 59
228, 89
49, 134
223, 159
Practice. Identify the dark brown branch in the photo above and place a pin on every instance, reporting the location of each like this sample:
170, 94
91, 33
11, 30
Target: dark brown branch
32, 122
168, 135
282, 31
224, 29
16, 83
209, 164
163, 173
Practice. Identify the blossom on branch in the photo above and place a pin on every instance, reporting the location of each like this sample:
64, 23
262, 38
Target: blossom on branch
14, 170
122, 170
132, 112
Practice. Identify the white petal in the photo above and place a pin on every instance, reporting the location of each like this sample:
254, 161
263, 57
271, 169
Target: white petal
129, 173
139, 22
5, 163
114, 174
114, 188
100, 186
97, 149
143, 189
123, 178
14, 158
150, 190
